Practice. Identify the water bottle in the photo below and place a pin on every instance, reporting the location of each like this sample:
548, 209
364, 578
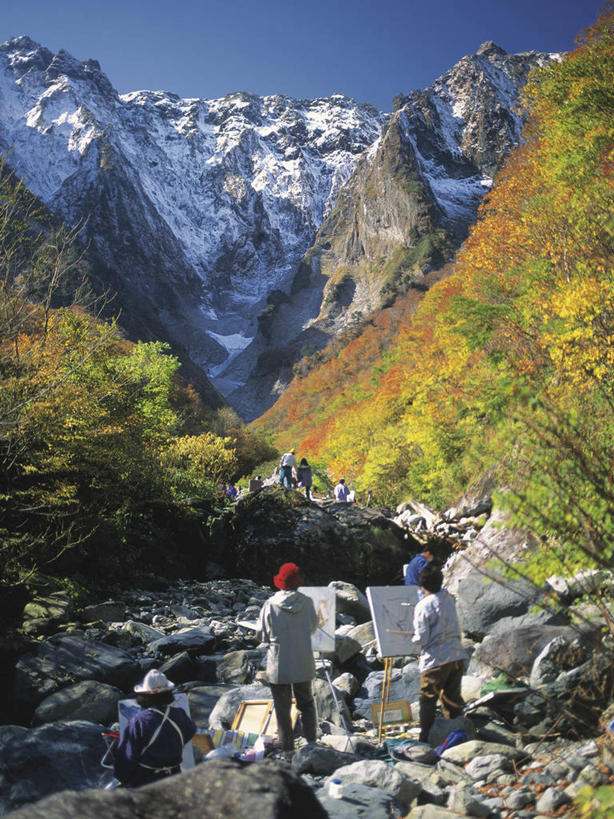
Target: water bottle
335, 789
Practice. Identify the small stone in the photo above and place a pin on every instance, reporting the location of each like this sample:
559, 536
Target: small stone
551, 799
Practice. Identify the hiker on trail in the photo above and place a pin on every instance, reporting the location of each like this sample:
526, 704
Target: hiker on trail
341, 492
286, 464
286, 622
303, 476
415, 566
152, 745
231, 491
442, 656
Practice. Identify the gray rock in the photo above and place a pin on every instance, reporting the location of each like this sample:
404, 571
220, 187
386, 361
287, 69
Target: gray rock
359, 802
350, 600
320, 760
431, 812
519, 799
482, 767
376, 773
227, 706
462, 801
110, 612
405, 685
347, 684
466, 751
68, 658
449, 773
184, 612
55, 607
345, 648
560, 654
515, 652
482, 602
49, 759
541, 617
88, 700
196, 640
9, 732
180, 668
143, 632
217, 788
326, 706
551, 799
234, 668
202, 699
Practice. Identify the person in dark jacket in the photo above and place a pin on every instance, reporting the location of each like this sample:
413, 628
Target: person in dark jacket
152, 745
303, 476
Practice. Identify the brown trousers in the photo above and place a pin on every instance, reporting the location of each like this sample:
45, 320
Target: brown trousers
282, 700
441, 683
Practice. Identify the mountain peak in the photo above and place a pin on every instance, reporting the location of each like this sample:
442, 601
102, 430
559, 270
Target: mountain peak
490, 48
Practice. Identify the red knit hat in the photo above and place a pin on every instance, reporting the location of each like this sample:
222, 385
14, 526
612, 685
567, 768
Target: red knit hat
289, 577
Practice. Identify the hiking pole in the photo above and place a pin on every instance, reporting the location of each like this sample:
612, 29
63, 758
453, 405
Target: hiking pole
325, 665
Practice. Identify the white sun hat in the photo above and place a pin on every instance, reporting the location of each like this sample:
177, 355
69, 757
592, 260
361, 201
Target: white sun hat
155, 682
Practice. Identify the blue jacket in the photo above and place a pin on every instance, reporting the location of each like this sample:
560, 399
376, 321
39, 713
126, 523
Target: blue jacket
414, 567
145, 754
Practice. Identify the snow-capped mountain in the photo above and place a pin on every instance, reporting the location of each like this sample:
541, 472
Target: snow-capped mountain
203, 212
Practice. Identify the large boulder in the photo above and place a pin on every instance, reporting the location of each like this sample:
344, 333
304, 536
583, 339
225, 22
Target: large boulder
483, 601
52, 758
217, 788
350, 600
227, 706
515, 652
195, 640
87, 700
342, 541
64, 659
377, 774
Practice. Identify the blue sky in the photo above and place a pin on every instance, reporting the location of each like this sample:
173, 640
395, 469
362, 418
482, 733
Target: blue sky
368, 49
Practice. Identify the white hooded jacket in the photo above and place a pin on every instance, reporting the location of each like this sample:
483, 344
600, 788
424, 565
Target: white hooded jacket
286, 622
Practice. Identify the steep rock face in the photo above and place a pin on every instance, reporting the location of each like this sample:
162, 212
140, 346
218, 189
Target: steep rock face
405, 210
244, 228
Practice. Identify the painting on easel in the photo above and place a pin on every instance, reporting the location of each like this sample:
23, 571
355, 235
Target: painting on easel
323, 638
392, 610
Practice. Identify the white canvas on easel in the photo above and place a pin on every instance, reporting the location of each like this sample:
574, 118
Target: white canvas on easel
392, 611
323, 638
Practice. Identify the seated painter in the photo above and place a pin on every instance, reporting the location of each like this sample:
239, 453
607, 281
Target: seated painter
152, 745
286, 622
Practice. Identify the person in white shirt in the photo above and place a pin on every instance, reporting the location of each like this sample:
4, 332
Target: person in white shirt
442, 656
341, 492
286, 464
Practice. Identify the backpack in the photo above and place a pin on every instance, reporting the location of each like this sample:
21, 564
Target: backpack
455, 737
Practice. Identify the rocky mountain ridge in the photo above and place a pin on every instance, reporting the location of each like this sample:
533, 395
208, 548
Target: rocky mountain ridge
205, 214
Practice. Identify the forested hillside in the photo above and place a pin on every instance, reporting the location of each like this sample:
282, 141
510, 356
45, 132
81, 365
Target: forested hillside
507, 363
107, 457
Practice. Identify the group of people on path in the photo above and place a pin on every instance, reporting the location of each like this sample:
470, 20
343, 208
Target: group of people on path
296, 474
292, 473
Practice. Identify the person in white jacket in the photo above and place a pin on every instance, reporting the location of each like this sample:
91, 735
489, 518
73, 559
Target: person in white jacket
442, 656
286, 622
286, 464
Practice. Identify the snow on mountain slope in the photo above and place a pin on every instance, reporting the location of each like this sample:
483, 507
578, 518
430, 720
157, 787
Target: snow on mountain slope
199, 209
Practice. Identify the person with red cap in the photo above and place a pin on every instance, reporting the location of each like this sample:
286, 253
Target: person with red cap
286, 622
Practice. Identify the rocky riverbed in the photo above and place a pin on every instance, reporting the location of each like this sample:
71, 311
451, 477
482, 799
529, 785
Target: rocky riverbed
531, 746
